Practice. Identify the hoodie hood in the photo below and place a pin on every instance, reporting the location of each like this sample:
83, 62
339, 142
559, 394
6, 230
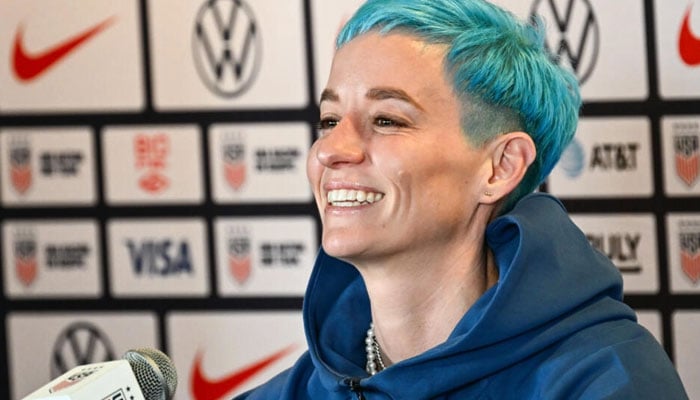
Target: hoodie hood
551, 285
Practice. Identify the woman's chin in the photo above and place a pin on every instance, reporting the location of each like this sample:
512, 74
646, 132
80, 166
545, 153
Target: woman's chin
342, 248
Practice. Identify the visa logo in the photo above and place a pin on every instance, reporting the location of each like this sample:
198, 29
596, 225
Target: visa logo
153, 257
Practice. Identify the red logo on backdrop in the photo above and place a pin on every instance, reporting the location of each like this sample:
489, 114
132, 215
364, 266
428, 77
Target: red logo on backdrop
204, 388
688, 42
234, 164
686, 157
30, 66
151, 153
20, 166
690, 255
239, 257
25, 258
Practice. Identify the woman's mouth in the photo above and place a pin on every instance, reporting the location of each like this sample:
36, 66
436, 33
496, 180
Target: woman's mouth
352, 197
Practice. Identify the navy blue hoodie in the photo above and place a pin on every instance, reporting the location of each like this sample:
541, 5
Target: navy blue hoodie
553, 327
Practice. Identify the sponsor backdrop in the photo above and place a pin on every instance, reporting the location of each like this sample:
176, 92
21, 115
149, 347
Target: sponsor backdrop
153, 189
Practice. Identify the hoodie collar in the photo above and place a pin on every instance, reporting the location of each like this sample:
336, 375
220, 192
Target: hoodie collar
540, 286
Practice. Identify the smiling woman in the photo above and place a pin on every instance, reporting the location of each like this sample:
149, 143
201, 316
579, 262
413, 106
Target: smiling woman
440, 275
390, 125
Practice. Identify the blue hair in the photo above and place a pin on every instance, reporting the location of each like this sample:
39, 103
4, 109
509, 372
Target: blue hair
500, 69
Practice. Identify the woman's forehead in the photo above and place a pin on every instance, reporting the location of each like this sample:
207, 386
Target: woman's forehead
397, 61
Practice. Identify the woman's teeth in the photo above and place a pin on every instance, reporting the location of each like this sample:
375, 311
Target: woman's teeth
352, 198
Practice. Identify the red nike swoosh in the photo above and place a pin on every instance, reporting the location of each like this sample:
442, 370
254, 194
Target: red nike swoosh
29, 66
688, 43
206, 389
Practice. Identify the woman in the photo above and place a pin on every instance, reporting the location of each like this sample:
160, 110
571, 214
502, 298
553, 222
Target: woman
438, 117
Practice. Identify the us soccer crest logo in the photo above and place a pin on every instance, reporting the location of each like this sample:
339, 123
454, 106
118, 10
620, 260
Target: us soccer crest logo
686, 158
234, 164
26, 267
20, 166
239, 255
690, 255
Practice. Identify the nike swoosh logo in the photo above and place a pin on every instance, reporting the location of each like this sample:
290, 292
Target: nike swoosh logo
688, 43
29, 66
204, 388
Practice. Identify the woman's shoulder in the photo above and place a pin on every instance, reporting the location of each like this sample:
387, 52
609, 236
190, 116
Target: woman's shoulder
614, 359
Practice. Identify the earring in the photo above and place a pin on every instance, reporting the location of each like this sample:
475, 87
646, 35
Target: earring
488, 193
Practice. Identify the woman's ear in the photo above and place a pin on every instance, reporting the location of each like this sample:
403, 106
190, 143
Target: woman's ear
511, 155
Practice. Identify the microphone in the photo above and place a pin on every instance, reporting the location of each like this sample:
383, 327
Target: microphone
141, 374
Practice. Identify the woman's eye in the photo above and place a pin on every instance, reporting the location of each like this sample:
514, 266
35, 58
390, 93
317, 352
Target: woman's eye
326, 123
384, 122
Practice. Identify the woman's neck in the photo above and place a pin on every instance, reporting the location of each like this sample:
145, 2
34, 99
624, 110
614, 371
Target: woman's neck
416, 302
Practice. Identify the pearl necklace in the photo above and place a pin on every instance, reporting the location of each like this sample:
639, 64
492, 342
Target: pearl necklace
374, 355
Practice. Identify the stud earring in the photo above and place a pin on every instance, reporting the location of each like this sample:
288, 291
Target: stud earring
488, 193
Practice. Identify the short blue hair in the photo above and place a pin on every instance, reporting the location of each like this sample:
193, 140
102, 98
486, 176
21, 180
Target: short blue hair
500, 69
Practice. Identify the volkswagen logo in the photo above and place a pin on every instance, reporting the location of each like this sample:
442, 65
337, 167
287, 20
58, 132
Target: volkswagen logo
573, 37
226, 46
78, 344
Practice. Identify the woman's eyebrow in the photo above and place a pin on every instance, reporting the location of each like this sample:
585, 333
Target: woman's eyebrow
380, 93
329, 95
384, 93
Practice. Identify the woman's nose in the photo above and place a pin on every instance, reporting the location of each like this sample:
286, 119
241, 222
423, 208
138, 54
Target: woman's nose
343, 145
